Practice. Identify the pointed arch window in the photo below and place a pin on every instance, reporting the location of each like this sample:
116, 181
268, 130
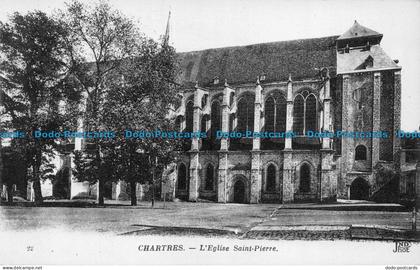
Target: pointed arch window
310, 113
298, 115
269, 114
209, 177
275, 113
245, 115
204, 121
182, 177
305, 178
189, 116
270, 183
305, 113
216, 118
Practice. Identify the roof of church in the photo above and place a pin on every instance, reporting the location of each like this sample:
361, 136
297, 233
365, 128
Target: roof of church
355, 59
358, 31
243, 64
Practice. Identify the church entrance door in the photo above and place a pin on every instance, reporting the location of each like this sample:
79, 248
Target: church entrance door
359, 189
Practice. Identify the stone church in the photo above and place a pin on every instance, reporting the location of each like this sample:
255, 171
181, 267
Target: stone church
328, 84
335, 83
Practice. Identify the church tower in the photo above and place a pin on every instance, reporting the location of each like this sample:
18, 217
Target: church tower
370, 84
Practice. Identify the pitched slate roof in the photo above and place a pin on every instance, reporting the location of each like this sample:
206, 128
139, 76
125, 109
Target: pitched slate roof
354, 59
358, 35
357, 31
301, 58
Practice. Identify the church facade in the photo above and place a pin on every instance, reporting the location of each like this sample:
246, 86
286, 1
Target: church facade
330, 84
327, 85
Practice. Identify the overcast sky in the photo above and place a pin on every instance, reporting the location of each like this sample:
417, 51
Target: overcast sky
197, 25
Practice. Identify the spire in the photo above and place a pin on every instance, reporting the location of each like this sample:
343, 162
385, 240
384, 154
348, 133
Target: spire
168, 28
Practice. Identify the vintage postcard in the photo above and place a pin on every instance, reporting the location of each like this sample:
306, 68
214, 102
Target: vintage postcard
235, 132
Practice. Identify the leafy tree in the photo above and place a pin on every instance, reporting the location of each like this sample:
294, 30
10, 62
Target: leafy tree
103, 37
143, 101
34, 67
143, 93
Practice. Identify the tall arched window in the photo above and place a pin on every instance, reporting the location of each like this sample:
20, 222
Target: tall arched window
245, 115
216, 119
281, 114
269, 114
305, 178
182, 177
361, 152
298, 115
270, 183
209, 177
310, 113
275, 113
189, 116
204, 121
304, 113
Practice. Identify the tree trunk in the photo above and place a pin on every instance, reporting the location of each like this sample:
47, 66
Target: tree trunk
9, 193
37, 192
101, 191
101, 179
36, 180
133, 194
131, 178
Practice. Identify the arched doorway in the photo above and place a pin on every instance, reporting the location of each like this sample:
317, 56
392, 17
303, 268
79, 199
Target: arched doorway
305, 178
239, 192
359, 189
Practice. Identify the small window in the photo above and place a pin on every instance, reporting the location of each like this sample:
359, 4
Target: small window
357, 96
369, 62
360, 152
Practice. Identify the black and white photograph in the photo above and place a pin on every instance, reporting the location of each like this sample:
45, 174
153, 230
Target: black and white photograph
193, 132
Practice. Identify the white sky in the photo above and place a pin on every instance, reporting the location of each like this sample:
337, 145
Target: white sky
202, 24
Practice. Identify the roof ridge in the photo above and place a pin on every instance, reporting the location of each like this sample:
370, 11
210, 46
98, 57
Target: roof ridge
262, 43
